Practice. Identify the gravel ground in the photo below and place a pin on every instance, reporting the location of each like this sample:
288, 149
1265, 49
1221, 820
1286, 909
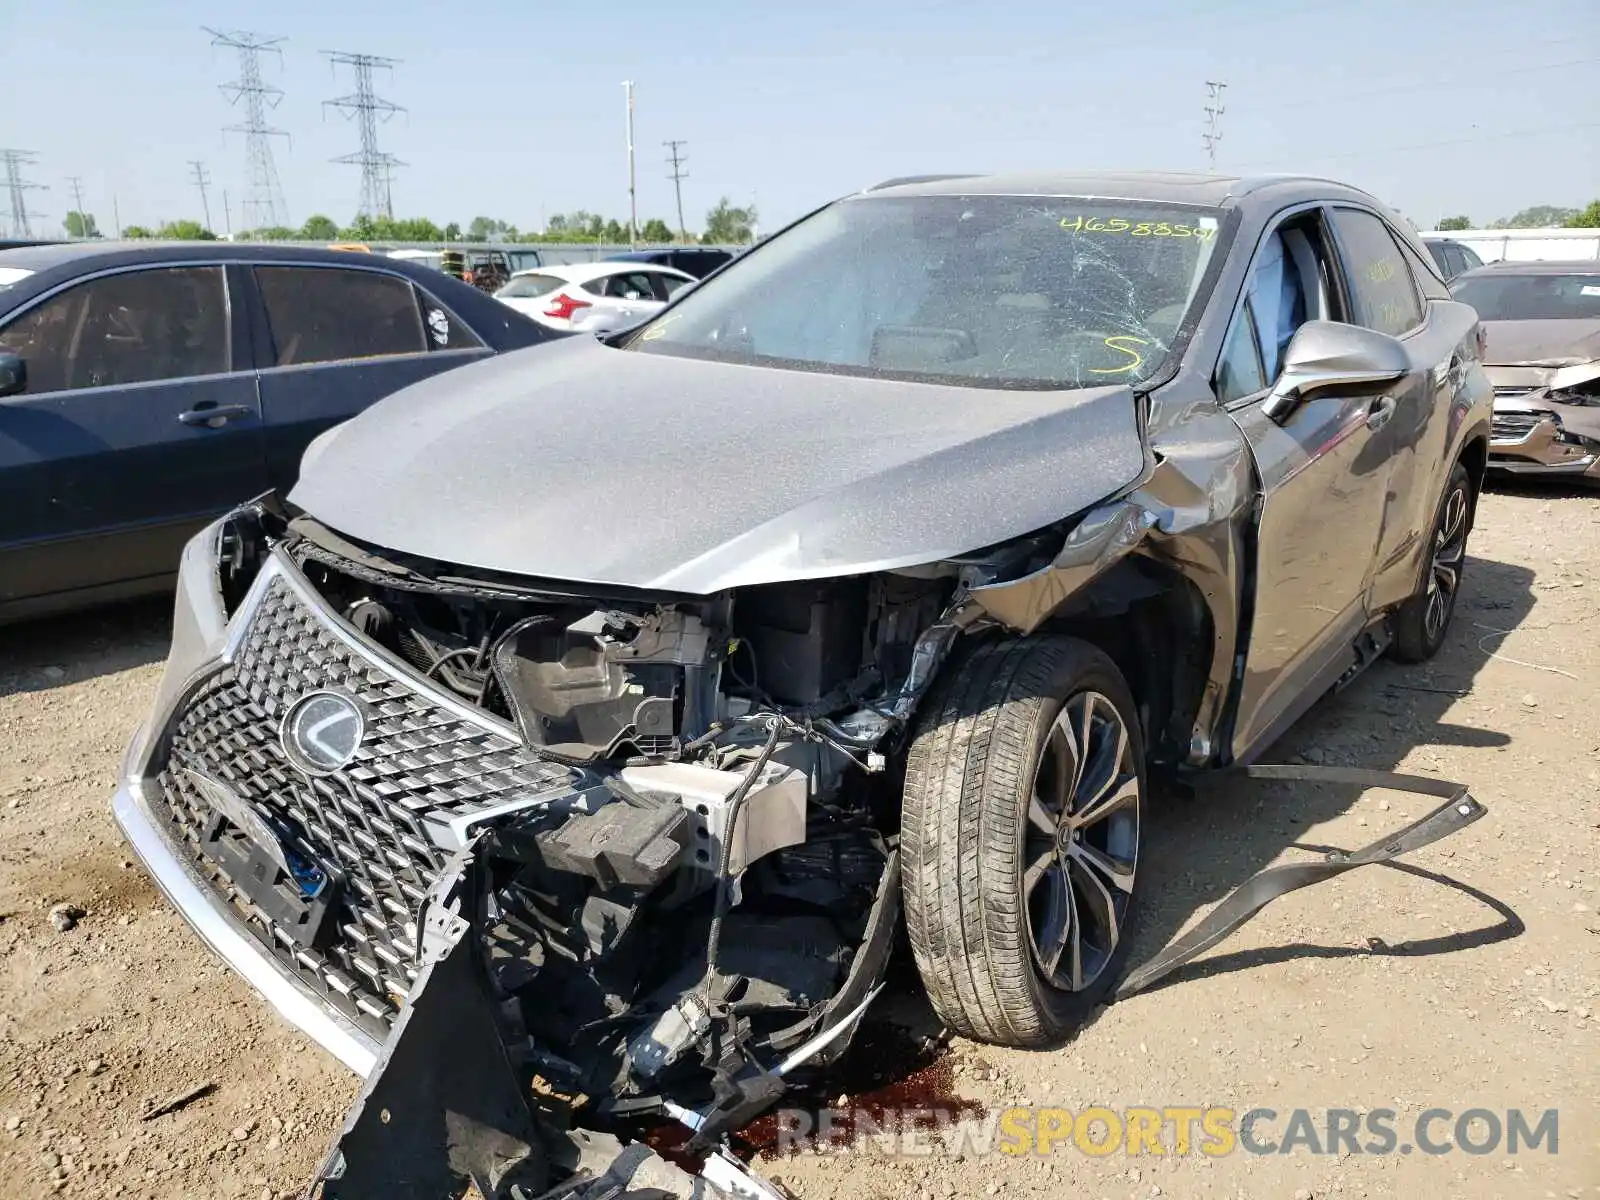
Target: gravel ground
1468, 979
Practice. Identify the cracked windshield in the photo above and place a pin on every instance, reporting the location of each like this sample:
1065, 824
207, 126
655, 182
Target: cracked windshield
985, 290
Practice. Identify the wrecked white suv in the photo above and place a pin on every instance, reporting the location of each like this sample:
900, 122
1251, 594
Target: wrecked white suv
572, 743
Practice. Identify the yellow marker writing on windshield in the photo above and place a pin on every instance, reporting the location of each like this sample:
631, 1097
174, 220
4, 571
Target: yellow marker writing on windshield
659, 329
1115, 343
1165, 229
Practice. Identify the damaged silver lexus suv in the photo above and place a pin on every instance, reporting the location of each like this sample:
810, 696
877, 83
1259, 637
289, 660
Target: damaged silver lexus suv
571, 746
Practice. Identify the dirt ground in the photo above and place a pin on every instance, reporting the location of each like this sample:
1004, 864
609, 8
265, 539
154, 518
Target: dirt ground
1470, 978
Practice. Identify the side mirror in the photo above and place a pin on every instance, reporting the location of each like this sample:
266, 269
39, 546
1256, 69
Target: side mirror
1328, 354
13, 374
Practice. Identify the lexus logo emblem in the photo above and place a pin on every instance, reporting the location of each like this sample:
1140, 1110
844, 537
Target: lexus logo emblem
322, 732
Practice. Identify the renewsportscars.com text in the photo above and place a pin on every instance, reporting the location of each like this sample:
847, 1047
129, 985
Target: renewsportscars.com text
1170, 1130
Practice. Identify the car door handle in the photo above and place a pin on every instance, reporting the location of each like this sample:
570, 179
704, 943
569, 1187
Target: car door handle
214, 416
1380, 412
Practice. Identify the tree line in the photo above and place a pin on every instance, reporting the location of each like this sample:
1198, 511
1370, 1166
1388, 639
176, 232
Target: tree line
726, 223
1540, 216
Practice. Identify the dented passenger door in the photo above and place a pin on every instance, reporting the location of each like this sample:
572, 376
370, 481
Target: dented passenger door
1316, 432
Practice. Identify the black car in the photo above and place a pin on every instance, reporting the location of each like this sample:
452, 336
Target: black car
698, 261
146, 389
1453, 257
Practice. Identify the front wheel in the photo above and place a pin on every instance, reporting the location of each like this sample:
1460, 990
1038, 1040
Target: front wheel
1420, 624
1024, 803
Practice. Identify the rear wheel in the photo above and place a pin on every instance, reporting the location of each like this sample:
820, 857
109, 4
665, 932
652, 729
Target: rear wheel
1024, 804
1421, 623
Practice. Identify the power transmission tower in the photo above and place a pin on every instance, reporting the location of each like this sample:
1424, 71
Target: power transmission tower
1214, 111
678, 175
201, 179
75, 182
367, 108
14, 161
263, 198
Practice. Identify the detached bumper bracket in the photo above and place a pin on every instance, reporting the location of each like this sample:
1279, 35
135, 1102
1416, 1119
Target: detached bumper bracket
443, 1106
1457, 812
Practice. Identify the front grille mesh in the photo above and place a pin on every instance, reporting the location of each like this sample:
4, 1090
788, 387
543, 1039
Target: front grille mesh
1513, 426
418, 759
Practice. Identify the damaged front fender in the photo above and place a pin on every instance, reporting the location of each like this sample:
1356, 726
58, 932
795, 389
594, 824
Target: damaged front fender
1187, 516
1105, 535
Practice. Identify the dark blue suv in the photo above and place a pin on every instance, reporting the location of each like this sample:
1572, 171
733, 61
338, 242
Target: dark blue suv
698, 261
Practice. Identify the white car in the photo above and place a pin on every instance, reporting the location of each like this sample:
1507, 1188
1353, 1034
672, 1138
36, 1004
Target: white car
592, 297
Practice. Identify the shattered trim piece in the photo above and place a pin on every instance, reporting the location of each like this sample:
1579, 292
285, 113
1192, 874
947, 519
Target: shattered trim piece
444, 1107
1458, 811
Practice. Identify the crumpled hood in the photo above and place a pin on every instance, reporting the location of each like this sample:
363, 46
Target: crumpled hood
1541, 343
580, 462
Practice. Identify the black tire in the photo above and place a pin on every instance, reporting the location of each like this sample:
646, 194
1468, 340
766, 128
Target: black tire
971, 831
1423, 621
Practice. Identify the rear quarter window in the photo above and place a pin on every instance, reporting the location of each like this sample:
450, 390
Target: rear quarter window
445, 329
525, 287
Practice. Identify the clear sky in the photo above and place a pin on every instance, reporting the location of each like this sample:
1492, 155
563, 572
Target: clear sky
516, 109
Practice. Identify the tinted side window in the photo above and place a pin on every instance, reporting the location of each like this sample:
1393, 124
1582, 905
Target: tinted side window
635, 285
1470, 259
662, 285
526, 286
670, 285
133, 327
325, 314
1382, 291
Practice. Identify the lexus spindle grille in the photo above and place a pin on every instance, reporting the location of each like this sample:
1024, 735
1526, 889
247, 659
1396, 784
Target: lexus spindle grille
364, 823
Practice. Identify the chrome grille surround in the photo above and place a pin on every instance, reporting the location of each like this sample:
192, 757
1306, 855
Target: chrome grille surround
1514, 426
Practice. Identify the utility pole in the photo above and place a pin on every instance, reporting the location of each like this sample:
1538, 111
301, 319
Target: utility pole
13, 162
116, 216
263, 199
75, 182
677, 176
1214, 111
227, 215
633, 200
367, 108
201, 179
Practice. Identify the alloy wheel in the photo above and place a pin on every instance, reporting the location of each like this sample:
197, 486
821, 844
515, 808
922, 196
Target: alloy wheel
1444, 573
1082, 842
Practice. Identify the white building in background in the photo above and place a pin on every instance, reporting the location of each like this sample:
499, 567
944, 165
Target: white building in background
1524, 245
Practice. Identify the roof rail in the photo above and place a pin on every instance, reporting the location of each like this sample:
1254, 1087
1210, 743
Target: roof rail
899, 180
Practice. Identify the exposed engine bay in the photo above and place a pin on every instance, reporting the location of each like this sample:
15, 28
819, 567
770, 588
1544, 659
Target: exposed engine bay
702, 919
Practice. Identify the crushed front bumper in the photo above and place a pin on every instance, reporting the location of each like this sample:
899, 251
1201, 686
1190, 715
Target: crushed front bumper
217, 926
1532, 442
248, 653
